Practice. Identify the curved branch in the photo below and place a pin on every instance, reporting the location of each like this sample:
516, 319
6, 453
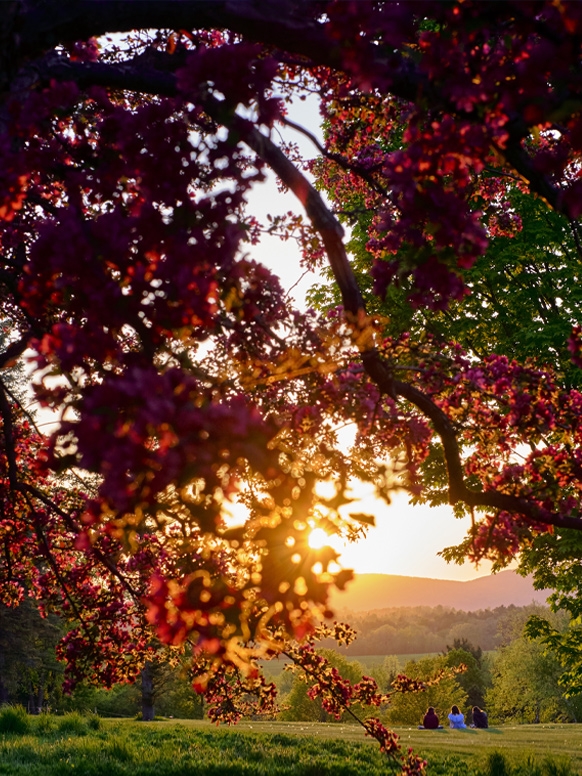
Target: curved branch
323, 220
330, 230
287, 24
458, 490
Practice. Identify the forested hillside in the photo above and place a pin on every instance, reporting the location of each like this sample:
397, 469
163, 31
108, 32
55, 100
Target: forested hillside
413, 630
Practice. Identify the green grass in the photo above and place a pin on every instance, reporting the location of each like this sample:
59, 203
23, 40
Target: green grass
194, 748
471, 745
375, 661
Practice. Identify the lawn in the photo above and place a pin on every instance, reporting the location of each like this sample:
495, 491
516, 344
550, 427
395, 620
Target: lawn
71, 745
514, 741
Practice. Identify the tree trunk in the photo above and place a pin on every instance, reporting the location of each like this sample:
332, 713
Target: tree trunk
40, 696
147, 692
31, 706
4, 691
4, 694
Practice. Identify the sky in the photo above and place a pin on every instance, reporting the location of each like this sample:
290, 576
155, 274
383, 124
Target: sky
406, 539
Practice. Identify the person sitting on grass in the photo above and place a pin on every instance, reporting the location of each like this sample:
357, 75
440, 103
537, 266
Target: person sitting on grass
456, 719
479, 718
430, 721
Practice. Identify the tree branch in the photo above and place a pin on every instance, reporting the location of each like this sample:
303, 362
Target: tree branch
286, 24
14, 350
103, 559
338, 158
331, 233
8, 433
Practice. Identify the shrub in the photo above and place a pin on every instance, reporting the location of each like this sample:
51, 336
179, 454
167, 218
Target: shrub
14, 719
497, 765
93, 721
45, 723
73, 722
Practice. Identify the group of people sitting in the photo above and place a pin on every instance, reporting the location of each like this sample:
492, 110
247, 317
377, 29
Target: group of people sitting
456, 719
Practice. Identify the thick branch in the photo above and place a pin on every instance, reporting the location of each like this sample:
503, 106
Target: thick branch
323, 220
44, 25
286, 24
146, 80
8, 433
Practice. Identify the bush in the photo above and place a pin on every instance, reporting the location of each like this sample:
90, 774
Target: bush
74, 723
497, 765
14, 719
44, 723
93, 721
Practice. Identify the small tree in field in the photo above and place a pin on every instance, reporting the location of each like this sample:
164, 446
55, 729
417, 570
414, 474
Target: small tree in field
410, 708
526, 687
476, 678
183, 379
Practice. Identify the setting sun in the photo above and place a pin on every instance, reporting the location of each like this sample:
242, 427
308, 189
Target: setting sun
318, 539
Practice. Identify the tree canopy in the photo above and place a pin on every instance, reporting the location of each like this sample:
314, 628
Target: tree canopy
184, 380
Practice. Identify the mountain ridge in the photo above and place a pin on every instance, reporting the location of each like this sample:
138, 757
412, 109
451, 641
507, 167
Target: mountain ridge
368, 592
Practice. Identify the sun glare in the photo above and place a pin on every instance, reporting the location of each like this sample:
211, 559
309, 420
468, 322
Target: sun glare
318, 539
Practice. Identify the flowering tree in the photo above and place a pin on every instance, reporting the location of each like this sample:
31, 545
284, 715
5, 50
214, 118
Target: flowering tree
183, 379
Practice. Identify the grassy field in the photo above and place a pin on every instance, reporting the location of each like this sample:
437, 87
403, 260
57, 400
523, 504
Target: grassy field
514, 741
273, 668
73, 745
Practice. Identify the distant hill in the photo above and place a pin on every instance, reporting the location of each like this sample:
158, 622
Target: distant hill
382, 591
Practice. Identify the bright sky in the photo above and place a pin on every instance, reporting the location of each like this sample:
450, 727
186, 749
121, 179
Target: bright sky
406, 539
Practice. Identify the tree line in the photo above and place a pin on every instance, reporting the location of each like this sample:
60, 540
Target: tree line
417, 629
517, 682
520, 682
31, 676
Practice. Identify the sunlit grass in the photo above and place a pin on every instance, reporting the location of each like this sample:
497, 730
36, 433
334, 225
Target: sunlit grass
193, 748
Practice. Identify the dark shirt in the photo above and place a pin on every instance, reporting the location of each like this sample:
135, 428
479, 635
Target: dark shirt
480, 719
430, 721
